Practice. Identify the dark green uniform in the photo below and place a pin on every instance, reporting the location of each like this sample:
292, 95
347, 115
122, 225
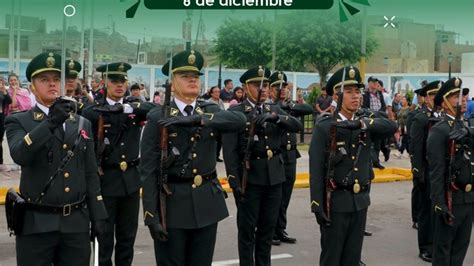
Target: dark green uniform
195, 200
192, 212
120, 182
289, 154
120, 187
421, 124
341, 240
54, 231
451, 241
415, 193
257, 213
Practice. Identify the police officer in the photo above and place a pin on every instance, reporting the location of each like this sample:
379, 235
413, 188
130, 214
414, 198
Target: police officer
182, 213
279, 95
339, 182
117, 127
257, 192
56, 224
415, 193
421, 124
450, 160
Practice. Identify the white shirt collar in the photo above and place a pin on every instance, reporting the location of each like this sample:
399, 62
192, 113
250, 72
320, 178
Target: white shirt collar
43, 108
344, 118
253, 104
181, 106
450, 116
112, 102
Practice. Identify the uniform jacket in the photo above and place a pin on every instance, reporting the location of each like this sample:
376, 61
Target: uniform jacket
438, 160
346, 172
122, 141
186, 207
39, 160
263, 171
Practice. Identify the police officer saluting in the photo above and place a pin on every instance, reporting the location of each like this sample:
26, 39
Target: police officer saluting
255, 167
279, 95
63, 198
182, 198
451, 176
339, 170
421, 124
117, 127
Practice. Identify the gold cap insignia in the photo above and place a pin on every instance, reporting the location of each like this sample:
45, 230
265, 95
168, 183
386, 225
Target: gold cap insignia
174, 112
248, 108
260, 71
71, 64
267, 108
440, 84
192, 58
280, 76
352, 73
457, 82
50, 60
121, 67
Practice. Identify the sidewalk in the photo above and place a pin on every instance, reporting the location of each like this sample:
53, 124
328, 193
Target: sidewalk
396, 170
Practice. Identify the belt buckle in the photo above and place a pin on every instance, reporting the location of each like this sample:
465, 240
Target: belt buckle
123, 166
67, 210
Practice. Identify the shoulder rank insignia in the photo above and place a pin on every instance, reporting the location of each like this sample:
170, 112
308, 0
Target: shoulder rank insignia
267, 107
199, 110
174, 111
38, 116
314, 203
248, 108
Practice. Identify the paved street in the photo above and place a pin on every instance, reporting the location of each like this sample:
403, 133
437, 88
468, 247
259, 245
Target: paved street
393, 242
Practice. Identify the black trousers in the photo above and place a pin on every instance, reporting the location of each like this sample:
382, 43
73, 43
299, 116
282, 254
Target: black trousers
53, 248
256, 220
2, 133
425, 219
415, 201
375, 151
341, 243
187, 247
122, 225
286, 190
451, 242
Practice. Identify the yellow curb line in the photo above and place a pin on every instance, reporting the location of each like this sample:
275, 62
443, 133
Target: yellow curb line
392, 174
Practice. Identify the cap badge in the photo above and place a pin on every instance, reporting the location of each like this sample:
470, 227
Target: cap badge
280, 76
457, 82
192, 58
352, 73
121, 67
50, 62
260, 71
71, 64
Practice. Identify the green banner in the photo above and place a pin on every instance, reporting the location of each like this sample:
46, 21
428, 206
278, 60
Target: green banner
238, 4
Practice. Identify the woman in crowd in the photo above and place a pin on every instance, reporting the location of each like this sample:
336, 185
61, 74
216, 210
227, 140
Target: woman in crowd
402, 128
4, 101
21, 100
237, 97
157, 98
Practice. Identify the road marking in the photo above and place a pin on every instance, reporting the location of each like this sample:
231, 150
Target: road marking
230, 262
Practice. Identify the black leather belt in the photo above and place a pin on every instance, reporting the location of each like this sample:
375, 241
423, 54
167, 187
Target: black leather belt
172, 179
64, 210
352, 188
264, 155
120, 165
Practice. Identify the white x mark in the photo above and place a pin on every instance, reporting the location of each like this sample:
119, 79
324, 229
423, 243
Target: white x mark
389, 21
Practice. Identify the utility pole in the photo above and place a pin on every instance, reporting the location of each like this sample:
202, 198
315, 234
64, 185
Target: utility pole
91, 45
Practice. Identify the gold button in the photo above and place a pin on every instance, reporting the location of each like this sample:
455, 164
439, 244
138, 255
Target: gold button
195, 171
133, 123
192, 139
122, 143
123, 156
212, 134
287, 134
353, 157
105, 131
356, 169
353, 145
67, 189
64, 146
66, 174
267, 147
194, 155
289, 141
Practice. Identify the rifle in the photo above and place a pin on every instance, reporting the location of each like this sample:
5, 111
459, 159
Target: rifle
100, 147
330, 183
450, 185
250, 141
219, 80
163, 144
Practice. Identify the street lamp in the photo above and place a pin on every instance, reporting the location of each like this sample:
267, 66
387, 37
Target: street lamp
385, 63
450, 61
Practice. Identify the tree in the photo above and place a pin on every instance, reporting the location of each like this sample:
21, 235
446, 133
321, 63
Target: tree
320, 40
244, 43
305, 40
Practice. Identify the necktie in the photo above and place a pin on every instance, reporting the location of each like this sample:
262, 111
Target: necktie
188, 109
259, 110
